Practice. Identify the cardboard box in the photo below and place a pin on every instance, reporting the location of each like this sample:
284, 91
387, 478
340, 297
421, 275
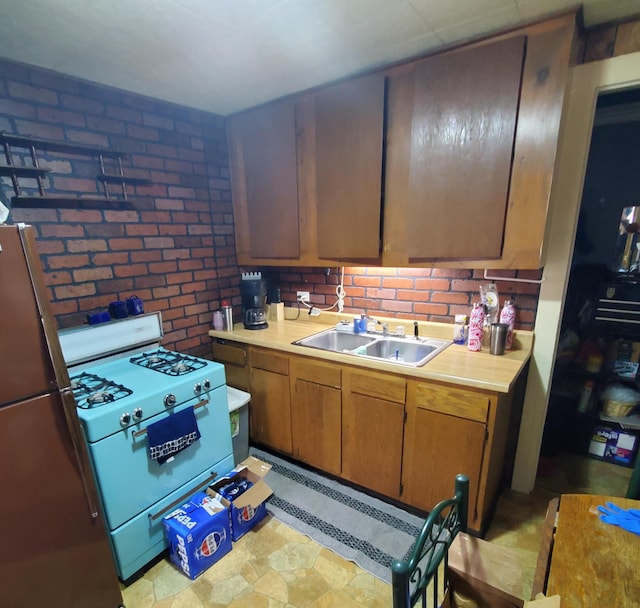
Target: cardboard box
198, 534
250, 507
614, 445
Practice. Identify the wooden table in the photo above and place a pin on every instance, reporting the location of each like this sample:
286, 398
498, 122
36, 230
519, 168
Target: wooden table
593, 563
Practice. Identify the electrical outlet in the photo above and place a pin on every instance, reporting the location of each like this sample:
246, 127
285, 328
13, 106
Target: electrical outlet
303, 296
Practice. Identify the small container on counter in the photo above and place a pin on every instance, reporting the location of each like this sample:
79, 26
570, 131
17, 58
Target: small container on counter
460, 329
227, 316
217, 320
476, 328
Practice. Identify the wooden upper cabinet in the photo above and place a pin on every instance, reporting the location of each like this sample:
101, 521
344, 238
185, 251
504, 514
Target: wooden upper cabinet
263, 159
348, 122
465, 106
470, 151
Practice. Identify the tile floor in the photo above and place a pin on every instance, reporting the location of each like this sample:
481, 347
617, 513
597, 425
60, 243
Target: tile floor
276, 567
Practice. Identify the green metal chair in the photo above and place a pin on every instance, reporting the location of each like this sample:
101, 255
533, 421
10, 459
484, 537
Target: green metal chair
411, 578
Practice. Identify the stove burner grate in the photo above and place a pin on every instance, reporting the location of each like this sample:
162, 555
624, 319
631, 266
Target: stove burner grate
167, 362
92, 391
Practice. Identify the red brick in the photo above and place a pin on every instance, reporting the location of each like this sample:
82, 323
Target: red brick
125, 243
60, 117
50, 247
364, 281
414, 295
75, 291
397, 283
130, 270
450, 297
15, 108
145, 133
141, 229
76, 184
163, 267
80, 216
67, 261
153, 255
162, 242
432, 284
430, 309
91, 274
64, 308
25, 91
174, 254
182, 277
57, 278
106, 259
80, 245
122, 216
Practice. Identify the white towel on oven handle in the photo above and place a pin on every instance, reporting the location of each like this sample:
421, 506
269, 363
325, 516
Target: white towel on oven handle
171, 435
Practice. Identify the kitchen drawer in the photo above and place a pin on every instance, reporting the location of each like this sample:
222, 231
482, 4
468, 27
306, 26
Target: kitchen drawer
453, 401
235, 358
229, 352
269, 361
318, 373
380, 386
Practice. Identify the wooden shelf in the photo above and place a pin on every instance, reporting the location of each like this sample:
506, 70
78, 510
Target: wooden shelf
61, 201
45, 200
21, 141
22, 171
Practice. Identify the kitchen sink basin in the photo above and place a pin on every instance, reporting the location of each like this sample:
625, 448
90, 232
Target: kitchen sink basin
414, 352
336, 341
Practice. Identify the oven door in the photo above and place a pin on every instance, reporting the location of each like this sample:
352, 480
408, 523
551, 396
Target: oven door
131, 482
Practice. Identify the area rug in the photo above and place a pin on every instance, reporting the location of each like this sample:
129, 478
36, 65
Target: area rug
352, 524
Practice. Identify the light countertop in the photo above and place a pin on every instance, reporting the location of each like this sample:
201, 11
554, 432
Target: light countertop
453, 365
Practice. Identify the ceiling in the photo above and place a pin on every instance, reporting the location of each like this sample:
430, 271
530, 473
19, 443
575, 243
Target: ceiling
226, 55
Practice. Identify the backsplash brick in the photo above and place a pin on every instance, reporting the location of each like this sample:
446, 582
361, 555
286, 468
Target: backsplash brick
407, 293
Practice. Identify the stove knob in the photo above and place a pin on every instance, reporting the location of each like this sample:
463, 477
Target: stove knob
197, 388
169, 400
207, 384
137, 413
125, 419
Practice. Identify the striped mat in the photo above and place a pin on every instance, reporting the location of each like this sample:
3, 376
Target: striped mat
352, 524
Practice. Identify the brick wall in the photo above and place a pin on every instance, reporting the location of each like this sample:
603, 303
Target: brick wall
172, 246
427, 294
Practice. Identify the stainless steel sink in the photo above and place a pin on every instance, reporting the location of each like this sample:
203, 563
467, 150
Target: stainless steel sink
414, 352
336, 341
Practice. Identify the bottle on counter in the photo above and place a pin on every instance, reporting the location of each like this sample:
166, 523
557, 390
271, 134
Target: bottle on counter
460, 329
476, 328
508, 317
217, 320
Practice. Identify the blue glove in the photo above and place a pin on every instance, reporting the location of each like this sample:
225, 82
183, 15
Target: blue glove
628, 520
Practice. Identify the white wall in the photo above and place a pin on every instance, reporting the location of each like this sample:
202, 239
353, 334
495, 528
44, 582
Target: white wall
587, 81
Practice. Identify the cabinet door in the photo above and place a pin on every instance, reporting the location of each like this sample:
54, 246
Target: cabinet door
445, 435
349, 120
372, 430
465, 106
316, 425
269, 408
262, 151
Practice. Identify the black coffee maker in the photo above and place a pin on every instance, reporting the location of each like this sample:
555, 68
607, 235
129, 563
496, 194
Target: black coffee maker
254, 303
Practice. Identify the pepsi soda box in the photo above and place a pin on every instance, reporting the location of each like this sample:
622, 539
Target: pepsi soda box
244, 492
198, 534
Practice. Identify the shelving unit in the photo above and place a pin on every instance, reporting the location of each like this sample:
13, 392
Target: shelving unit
43, 199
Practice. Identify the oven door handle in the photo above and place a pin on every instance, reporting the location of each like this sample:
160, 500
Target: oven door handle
183, 498
141, 432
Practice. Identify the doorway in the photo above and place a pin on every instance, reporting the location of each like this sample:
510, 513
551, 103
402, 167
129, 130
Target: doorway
588, 81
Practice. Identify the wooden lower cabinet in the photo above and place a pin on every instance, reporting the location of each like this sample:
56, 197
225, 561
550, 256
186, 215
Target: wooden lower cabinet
372, 430
270, 405
316, 408
399, 437
451, 431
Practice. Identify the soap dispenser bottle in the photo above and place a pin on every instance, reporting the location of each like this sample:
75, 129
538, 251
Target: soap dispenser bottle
476, 328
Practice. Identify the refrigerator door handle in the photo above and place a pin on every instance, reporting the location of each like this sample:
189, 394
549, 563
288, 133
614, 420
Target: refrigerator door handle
80, 450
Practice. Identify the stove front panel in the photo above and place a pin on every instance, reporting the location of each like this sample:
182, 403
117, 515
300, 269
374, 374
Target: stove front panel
130, 482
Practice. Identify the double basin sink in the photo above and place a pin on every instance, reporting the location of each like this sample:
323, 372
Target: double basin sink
410, 351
